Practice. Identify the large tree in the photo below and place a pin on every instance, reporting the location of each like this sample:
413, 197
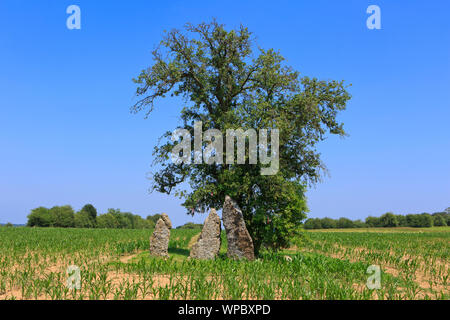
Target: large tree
227, 86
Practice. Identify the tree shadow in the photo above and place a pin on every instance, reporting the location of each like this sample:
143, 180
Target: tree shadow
179, 251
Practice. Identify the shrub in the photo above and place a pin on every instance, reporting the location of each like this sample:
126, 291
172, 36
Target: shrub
190, 225
83, 219
91, 213
388, 220
423, 220
439, 221
153, 219
328, 223
62, 216
345, 223
359, 224
373, 222
39, 217
313, 223
122, 220
401, 220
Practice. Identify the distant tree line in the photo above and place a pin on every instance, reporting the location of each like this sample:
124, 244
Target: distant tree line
66, 217
387, 220
190, 225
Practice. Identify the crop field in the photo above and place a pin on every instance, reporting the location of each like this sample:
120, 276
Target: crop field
115, 264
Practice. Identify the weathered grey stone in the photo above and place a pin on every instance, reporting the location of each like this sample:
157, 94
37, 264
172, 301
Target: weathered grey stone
240, 244
159, 241
166, 220
208, 245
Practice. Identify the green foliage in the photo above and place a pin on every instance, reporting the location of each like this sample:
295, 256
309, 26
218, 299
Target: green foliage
62, 216
227, 86
439, 221
90, 210
39, 217
83, 219
401, 220
446, 215
373, 222
427, 220
313, 223
359, 224
274, 216
388, 220
328, 223
66, 218
108, 221
419, 220
115, 219
140, 223
190, 225
58, 216
345, 223
86, 217
153, 219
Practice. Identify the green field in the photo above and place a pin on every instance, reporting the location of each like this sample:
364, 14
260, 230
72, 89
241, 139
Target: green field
115, 264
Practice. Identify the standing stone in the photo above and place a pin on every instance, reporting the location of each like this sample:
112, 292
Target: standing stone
240, 244
167, 221
208, 245
159, 241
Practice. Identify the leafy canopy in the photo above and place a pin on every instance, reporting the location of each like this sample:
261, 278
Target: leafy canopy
226, 85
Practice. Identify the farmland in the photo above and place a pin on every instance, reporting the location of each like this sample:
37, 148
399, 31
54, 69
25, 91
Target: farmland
331, 264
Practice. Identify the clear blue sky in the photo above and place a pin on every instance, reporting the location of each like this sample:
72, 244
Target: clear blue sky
67, 136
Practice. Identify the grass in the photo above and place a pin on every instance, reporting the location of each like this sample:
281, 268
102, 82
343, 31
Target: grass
115, 264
